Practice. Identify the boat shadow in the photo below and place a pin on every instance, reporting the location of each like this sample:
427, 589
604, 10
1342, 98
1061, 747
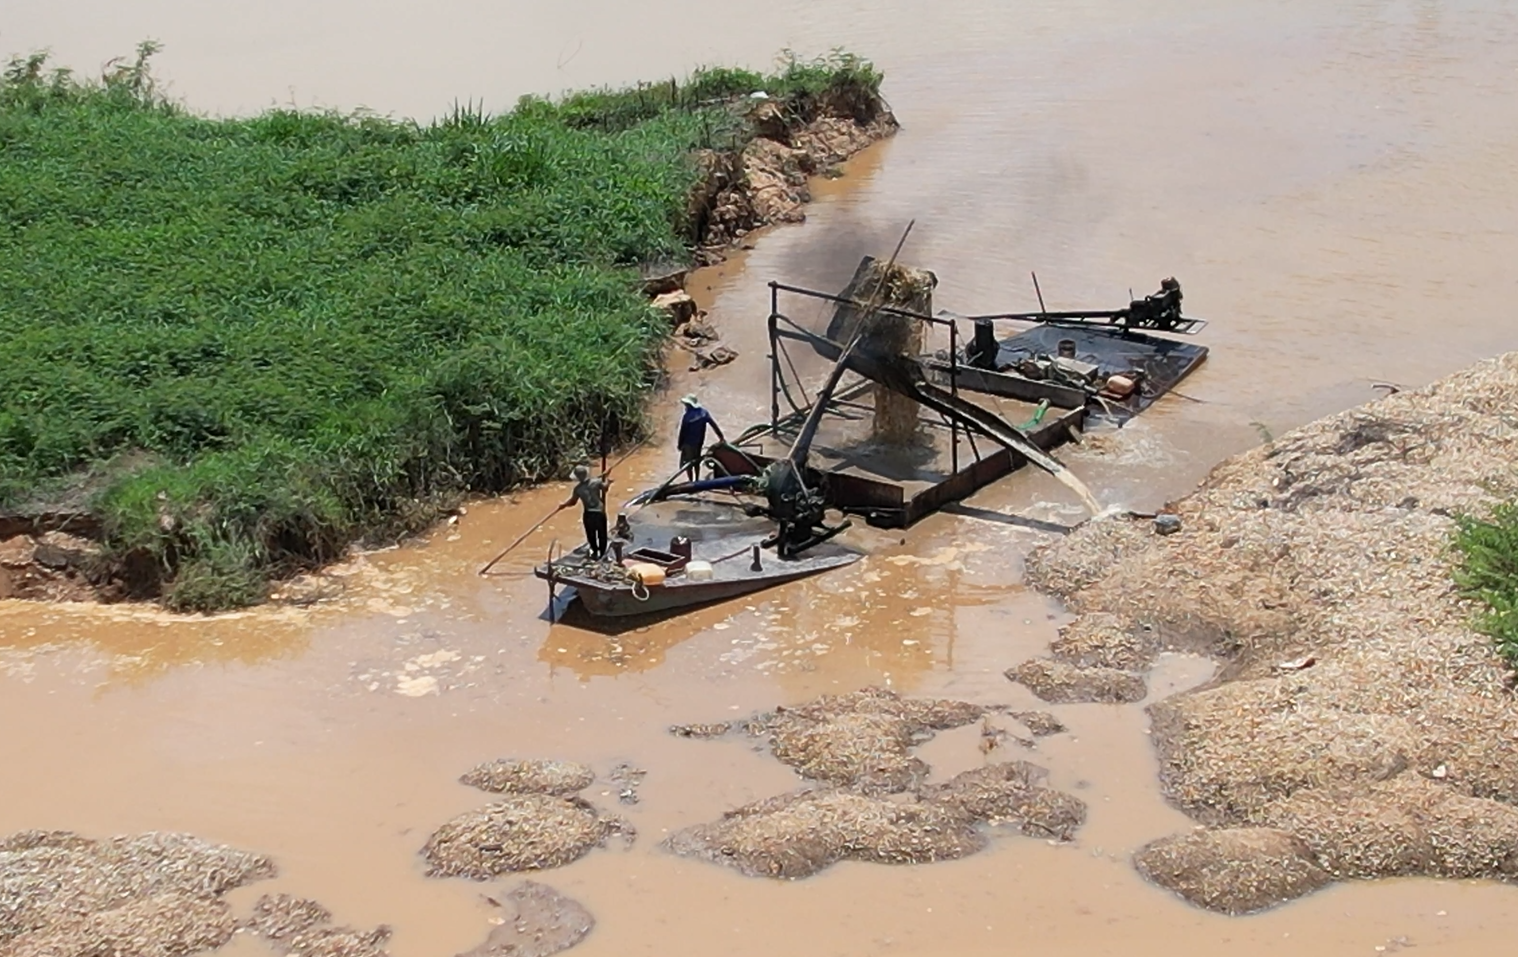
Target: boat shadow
568, 612
593, 647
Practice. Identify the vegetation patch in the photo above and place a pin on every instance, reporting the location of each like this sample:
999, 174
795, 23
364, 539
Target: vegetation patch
1488, 572
240, 345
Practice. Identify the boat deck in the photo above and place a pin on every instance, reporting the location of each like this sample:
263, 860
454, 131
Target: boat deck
894, 486
1162, 362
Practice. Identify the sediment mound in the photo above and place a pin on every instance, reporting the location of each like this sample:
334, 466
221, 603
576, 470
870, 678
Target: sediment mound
1408, 825
529, 777
1040, 724
1356, 709
154, 894
861, 740
163, 925
536, 921
1011, 793
1234, 870
1060, 682
878, 809
868, 751
524, 832
301, 928
1105, 641
798, 834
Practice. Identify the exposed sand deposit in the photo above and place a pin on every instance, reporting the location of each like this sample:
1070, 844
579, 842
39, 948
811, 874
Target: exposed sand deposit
524, 832
154, 895
541, 823
1358, 714
529, 777
860, 743
298, 927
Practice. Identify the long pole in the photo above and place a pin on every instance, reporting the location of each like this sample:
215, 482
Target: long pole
954, 391
1040, 292
520, 539
544, 520
774, 360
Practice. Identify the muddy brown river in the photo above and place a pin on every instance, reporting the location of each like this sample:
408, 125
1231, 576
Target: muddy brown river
1333, 183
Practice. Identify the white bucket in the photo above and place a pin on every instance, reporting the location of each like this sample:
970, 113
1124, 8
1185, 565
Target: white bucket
698, 571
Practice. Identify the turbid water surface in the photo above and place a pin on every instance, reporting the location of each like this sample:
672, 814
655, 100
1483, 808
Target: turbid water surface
1333, 183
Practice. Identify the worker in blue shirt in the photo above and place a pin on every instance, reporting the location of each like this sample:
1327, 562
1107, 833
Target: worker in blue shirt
692, 437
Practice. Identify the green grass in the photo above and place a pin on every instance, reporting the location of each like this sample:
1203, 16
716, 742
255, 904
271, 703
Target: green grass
1488, 572
248, 343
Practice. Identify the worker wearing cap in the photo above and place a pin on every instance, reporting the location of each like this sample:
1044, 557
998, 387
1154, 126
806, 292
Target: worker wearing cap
591, 494
692, 437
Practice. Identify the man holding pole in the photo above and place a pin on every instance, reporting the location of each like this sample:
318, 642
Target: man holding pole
692, 437
591, 494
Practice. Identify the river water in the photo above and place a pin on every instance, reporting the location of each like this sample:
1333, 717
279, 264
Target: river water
1333, 183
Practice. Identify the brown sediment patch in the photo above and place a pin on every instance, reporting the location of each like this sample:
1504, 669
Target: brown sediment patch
529, 777
536, 921
1011, 793
1233, 870
1357, 708
800, 833
1060, 682
861, 740
868, 751
1040, 724
879, 810
161, 925
300, 928
1105, 641
152, 894
1408, 825
524, 832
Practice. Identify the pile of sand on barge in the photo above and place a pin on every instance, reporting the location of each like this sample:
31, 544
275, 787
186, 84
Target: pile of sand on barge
1360, 727
876, 806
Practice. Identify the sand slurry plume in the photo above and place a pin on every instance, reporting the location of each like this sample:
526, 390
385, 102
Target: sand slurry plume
1357, 711
153, 895
875, 805
540, 823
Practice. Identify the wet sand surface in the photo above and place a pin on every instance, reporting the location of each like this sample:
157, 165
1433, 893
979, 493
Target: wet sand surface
1332, 183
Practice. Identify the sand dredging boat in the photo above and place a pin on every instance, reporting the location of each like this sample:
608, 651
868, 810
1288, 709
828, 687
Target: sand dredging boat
890, 436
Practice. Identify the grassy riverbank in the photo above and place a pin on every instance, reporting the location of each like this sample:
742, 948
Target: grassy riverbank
244, 344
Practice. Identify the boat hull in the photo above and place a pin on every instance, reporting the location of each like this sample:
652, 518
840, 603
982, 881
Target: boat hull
605, 600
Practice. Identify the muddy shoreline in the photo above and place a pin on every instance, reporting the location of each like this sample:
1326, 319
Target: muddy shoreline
1359, 728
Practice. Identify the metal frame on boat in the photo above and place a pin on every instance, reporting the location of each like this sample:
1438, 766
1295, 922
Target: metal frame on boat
1069, 366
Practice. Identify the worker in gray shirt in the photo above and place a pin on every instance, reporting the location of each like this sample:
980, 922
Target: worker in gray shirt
591, 494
